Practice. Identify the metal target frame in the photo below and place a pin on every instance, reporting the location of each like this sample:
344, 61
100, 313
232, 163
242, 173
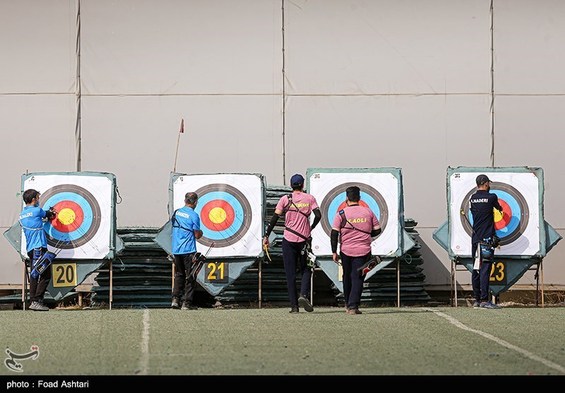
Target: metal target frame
520, 191
94, 193
382, 185
245, 194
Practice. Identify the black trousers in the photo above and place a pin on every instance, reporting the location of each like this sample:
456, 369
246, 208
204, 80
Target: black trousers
38, 286
185, 282
353, 279
480, 278
294, 264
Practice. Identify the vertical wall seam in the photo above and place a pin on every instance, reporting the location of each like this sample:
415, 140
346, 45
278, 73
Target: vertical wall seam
492, 83
78, 94
283, 97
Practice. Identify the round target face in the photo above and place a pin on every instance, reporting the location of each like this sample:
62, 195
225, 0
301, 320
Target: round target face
514, 218
334, 201
225, 214
78, 216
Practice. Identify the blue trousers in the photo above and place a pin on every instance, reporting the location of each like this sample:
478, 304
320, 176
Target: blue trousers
352, 279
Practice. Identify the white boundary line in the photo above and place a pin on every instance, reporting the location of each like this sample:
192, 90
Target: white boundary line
497, 340
144, 361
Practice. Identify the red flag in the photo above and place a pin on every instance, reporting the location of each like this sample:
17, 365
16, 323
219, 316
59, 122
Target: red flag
182, 126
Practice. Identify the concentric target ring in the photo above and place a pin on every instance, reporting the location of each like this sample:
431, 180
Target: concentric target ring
514, 220
370, 197
78, 216
225, 214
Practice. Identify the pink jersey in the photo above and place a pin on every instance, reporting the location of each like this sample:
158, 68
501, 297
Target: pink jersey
296, 214
355, 242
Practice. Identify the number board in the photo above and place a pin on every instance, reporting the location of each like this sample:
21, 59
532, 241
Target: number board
216, 272
64, 275
498, 273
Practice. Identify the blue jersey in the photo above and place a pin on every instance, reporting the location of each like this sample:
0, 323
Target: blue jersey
31, 219
185, 221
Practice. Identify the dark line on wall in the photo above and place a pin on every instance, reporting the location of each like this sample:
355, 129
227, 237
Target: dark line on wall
283, 98
78, 94
492, 83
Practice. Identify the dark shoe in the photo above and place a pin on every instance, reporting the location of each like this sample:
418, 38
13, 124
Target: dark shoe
186, 306
476, 304
489, 305
305, 304
175, 303
354, 311
293, 310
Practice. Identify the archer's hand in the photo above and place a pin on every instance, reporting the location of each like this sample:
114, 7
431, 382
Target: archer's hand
335, 258
266, 242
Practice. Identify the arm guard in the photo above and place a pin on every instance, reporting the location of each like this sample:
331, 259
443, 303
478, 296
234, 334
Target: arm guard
376, 232
334, 235
317, 218
272, 224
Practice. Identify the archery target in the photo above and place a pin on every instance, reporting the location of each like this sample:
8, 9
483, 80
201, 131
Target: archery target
83, 226
517, 226
379, 191
229, 207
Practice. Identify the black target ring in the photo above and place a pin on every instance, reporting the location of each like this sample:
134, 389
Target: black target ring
514, 206
90, 209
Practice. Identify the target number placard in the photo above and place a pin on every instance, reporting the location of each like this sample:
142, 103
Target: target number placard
85, 211
230, 209
498, 273
216, 272
64, 274
380, 191
518, 227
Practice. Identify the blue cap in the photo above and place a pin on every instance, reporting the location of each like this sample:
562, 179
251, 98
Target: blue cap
296, 180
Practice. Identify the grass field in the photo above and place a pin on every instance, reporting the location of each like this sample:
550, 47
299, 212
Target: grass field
270, 341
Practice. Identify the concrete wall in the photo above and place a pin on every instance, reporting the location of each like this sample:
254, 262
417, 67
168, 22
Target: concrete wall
278, 86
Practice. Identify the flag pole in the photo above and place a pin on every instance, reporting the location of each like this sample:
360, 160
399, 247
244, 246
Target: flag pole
181, 131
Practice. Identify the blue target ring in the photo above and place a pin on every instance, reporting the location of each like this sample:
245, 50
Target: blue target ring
86, 222
209, 230
235, 220
331, 203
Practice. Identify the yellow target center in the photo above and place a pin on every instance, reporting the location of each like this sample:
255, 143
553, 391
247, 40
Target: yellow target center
217, 215
497, 215
66, 216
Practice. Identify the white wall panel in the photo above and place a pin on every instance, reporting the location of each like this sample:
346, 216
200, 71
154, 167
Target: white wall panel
529, 132
182, 47
136, 137
529, 43
37, 134
421, 135
37, 46
387, 47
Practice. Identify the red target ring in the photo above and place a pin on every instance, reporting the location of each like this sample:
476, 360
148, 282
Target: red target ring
218, 214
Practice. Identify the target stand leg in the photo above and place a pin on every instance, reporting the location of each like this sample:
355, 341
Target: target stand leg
24, 287
260, 287
454, 283
398, 282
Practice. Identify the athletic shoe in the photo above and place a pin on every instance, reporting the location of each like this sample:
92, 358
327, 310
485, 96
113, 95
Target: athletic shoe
294, 310
175, 303
476, 304
38, 306
354, 311
489, 305
305, 304
186, 306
